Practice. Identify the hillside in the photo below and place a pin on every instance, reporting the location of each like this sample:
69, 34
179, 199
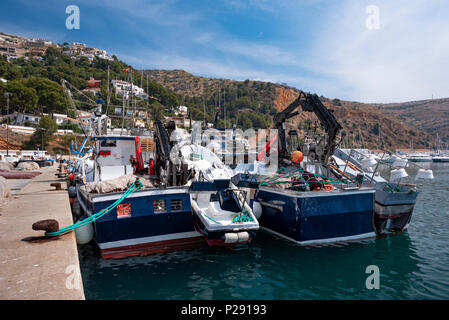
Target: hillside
244, 100
35, 84
431, 116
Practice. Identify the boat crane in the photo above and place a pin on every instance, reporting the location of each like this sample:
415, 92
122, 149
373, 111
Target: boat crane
323, 149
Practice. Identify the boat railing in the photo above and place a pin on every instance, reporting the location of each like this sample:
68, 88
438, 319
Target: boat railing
403, 164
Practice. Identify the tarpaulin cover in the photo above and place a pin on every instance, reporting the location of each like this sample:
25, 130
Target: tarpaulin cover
6, 166
19, 174
118, 184
28, 166
5, 192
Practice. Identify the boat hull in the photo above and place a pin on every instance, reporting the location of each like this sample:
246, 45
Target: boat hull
393, 210
440, 159
218, 238
309, 218
420, 160
392, 219
148, 221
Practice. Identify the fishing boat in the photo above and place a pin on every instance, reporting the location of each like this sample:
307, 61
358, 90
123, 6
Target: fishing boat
315, 211
304, 201
440, 158
220, 210
394, 201
151, 220
419, 157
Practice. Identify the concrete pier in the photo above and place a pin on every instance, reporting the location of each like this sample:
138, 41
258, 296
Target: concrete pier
46, 269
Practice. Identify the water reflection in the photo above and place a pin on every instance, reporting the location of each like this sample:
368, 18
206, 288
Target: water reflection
413, 265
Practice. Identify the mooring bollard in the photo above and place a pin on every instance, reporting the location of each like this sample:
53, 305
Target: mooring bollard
57, 185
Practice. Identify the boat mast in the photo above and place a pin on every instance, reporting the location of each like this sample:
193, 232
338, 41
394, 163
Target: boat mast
224, 104
109, 95
378, 136
219, 98
204, 111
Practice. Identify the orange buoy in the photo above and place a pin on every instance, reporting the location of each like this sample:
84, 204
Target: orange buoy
297, 157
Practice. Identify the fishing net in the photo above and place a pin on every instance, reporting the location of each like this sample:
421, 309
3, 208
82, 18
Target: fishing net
6, 166
5, 192
113, 185
28, 166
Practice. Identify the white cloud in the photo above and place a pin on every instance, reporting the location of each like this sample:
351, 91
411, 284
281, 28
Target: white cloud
406, 59
210, 67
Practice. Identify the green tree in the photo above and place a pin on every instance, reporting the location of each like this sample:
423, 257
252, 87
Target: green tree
50, 94
43, 134
156, 110
336, 102
375, 129
21, 99
9, 71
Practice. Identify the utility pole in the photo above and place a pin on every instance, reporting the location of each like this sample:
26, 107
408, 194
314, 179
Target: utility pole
7, 94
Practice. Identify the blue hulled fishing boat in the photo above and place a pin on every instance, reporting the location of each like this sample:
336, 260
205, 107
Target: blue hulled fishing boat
153, 219
304, 201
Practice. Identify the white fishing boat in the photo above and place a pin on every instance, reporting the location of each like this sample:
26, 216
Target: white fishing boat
394, 200
441, 158
419, 157
220, 210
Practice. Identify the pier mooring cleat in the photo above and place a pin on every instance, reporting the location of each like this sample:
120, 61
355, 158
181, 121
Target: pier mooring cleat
49, 225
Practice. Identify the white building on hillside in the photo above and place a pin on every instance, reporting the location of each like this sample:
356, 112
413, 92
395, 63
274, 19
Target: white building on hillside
122, 87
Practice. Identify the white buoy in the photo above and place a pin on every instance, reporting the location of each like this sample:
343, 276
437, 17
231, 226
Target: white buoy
310, 168
84, 234
399, 163
257, 209
231, 237
368, 162
424, 174
243, 236
398, 174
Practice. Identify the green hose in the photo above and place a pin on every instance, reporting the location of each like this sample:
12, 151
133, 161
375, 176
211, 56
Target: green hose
134, 187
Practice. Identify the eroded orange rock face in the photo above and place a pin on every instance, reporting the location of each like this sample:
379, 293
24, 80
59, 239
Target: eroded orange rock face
285, 97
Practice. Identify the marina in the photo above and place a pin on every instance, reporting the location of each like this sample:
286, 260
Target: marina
176, 198
413, 265
234, 151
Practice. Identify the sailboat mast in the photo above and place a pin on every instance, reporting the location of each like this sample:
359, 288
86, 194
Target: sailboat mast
224, 104
204, 111
109, 96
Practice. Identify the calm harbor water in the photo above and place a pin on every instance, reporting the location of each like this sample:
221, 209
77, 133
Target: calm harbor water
413, 265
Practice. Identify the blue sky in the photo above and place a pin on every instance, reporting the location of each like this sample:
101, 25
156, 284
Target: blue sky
315, 45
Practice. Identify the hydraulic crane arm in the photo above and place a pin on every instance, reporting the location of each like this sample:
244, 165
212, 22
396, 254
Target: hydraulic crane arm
309, 103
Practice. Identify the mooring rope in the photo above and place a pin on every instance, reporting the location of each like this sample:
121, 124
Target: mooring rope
133, 188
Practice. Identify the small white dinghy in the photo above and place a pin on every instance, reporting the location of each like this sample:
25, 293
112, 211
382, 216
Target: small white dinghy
219, 208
